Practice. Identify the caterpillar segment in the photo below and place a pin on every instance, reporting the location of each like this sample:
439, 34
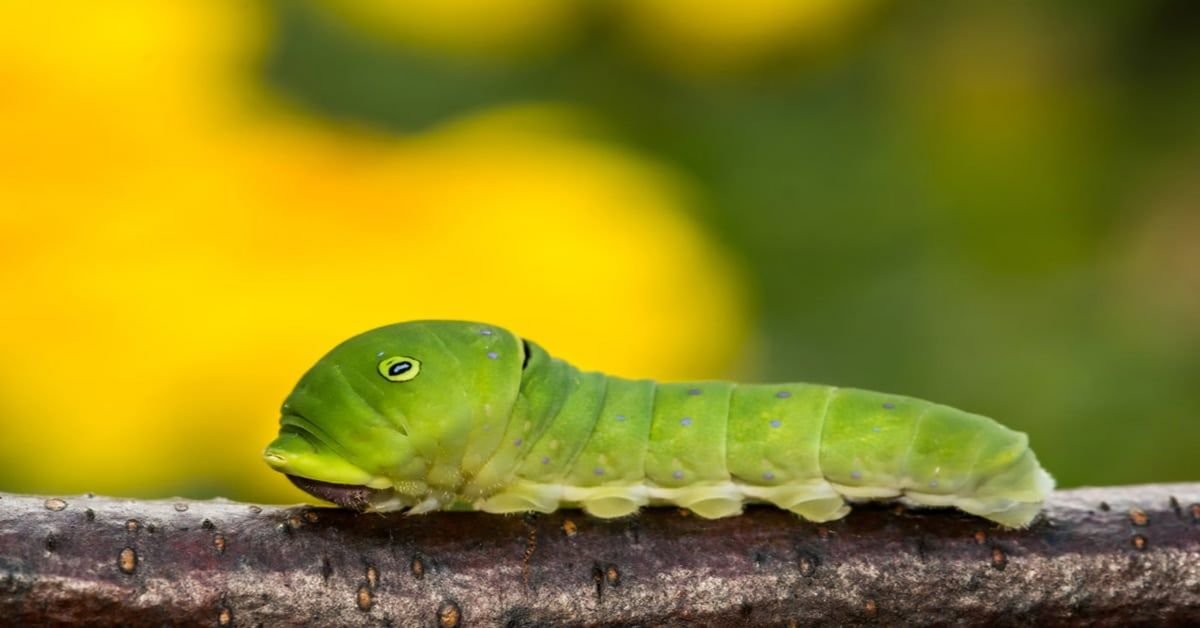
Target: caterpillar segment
492, 423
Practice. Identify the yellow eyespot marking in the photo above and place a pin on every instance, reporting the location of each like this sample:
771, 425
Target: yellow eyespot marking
399, 368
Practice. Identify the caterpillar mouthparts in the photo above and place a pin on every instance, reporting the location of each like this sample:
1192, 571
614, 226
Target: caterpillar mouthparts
347, 496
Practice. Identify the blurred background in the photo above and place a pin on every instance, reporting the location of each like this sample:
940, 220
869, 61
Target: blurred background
991, 205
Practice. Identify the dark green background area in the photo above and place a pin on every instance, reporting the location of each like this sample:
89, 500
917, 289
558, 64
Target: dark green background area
954, 205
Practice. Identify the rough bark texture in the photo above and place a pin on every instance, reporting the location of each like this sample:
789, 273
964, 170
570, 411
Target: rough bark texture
1113, 556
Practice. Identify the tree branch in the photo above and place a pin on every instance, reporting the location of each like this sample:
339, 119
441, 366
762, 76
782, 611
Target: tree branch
1115, 556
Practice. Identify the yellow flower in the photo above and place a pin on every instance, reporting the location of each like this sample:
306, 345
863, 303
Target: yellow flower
706, 37
691, 37
171, 266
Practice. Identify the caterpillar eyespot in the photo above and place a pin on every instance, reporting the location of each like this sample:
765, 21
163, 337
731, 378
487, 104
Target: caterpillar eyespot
399, 368
501, 426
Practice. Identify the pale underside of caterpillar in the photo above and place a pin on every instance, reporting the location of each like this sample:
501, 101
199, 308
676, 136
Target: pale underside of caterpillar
449, 415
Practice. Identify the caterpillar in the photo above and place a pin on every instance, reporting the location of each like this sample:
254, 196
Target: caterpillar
450, 415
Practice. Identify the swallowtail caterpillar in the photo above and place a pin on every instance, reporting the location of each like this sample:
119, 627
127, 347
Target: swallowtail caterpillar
447, 415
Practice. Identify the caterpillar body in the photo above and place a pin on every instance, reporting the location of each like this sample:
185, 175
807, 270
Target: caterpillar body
449, 415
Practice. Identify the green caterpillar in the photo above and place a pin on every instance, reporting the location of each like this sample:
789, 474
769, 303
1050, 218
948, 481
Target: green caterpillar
447, 415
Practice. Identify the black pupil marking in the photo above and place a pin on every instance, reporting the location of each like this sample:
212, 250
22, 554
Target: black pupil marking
525, 349
399, 368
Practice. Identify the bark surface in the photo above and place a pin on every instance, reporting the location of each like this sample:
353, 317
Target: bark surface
1108, 556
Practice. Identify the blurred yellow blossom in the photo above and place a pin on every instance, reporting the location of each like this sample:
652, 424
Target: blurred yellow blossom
694, 37
705, 37
172, 266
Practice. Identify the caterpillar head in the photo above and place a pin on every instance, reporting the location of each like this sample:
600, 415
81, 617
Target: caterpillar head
383, 421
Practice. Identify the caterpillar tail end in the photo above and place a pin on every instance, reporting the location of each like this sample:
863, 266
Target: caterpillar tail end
1020, 508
